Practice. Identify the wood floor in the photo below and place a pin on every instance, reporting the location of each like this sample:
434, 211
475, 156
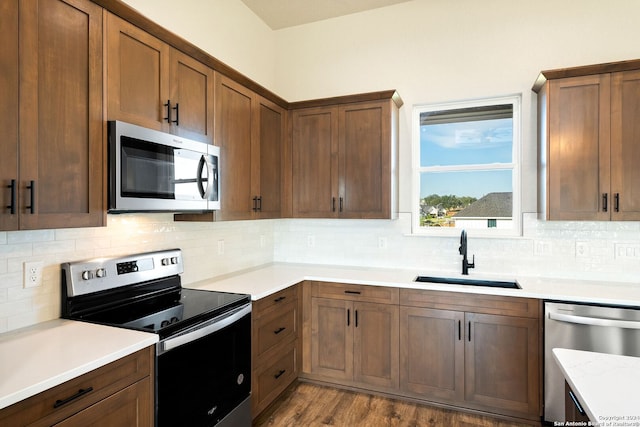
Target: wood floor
307, 404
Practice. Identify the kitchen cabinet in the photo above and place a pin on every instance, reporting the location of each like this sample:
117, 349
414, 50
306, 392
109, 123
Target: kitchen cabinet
250, 131
353, 334
52, 163
9, 114
432, 353
120, 393
275, 347
344, 157
587, 129
154, 85
481, 353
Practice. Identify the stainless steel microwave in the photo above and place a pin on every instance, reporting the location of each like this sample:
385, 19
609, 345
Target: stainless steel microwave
152, 171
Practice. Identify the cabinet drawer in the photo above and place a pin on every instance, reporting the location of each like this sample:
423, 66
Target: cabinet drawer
48, 407
477, 303
366, 293
265, 305
271, 379
274, 328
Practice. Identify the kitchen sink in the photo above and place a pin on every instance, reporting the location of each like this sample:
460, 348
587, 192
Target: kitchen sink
471, 282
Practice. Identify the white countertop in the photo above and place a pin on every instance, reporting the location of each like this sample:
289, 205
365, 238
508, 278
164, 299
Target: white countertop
606, 385
261, 282
39, 357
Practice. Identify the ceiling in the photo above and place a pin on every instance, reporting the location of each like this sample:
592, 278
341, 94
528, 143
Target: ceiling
279, 14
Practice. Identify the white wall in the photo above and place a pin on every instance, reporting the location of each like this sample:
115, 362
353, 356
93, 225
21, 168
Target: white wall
226, 29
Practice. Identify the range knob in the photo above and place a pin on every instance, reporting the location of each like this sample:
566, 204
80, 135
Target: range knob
174, 260
164, 261
101, 272
86, 275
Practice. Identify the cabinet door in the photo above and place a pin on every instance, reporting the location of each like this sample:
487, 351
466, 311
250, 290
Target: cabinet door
132, 406
191, 85
376, 338
501, 363
365, 160
234, 121
61, 120
332, 338
625, 149
268, 152
9, 113
432, 353
137, 76
579, 148
315, 163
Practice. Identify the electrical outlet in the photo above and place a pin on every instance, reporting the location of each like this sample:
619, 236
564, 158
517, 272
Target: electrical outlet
311, 240
382, 243
263, 241
220, 247
32, 274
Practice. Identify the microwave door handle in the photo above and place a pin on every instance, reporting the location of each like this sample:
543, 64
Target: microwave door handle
204, 193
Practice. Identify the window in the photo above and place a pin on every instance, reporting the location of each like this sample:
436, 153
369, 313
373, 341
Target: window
466, 167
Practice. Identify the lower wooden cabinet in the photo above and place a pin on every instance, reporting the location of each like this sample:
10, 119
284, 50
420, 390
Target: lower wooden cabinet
432, 353
118, 394
275, 347
354, 341
486, 359
472, 351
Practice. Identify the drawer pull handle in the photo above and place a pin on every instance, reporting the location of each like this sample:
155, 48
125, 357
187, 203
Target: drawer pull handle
352, 292
279, 299
280, 373
280, 329
575, 402
80, 393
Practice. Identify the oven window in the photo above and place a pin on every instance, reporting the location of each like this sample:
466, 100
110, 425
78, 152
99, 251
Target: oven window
147, 169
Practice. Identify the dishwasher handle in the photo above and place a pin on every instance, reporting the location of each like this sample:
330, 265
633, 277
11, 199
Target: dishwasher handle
595, 321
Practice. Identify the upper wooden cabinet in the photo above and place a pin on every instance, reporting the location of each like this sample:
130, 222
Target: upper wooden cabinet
344, 157
588, 125
156, 86
250, 131
52, 152
9, 115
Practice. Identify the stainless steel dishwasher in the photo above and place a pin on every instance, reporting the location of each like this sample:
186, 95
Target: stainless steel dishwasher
604, 329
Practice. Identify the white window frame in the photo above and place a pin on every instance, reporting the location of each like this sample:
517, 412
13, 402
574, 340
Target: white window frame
514, 166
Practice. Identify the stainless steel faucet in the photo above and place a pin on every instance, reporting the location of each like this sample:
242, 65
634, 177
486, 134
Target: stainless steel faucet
466, 265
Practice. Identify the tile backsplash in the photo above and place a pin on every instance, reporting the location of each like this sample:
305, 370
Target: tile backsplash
563, 249
246, 244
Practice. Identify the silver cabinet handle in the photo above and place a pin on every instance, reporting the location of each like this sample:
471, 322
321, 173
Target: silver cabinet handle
210, 327
596, 321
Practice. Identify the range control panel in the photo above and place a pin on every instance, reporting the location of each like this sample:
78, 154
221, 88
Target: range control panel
99, 274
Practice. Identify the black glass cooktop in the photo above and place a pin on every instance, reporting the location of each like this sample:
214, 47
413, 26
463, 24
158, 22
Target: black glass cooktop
167, 312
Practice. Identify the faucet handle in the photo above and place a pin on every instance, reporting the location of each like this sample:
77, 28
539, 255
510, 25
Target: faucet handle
472, 264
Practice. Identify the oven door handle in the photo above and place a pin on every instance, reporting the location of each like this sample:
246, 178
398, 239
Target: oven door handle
595, 321
210, 327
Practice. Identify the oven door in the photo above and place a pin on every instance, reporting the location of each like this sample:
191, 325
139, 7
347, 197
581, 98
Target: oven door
203, 374
156, 171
